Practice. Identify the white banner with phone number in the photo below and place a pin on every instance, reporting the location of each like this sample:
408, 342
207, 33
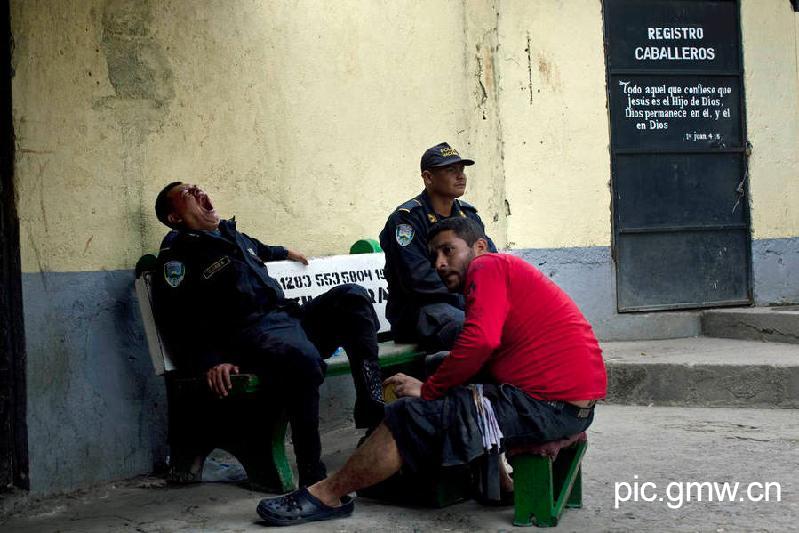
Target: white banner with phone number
302, 283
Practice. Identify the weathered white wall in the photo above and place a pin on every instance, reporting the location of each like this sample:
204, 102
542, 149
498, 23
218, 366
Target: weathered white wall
772, 110
554, 124
304, 119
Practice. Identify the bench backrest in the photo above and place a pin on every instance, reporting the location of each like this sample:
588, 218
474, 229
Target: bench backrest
299, 282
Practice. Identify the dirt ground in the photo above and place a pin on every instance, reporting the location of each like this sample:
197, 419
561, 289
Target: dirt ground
662, 445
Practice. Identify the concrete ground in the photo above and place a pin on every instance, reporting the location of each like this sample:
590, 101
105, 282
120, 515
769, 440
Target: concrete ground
662, 445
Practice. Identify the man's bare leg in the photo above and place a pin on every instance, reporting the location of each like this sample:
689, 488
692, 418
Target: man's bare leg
377, 459
505, 481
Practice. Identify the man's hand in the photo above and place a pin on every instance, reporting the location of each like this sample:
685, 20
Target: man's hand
405, 385
218, 378
297, 256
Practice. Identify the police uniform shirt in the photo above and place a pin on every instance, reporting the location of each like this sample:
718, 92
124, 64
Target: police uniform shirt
208, 286
412, 279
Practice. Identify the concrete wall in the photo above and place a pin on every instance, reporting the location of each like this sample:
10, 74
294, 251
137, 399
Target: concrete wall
274, 107
96, 411
771, 62
554, 124
772, 113
306, 119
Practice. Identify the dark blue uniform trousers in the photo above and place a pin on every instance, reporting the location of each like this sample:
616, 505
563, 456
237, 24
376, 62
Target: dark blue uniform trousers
438, 326
287, 348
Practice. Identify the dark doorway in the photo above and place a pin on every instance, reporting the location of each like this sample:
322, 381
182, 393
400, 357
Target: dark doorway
679, 154
13, 432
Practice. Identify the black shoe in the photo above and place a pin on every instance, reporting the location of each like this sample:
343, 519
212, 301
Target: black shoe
299, 507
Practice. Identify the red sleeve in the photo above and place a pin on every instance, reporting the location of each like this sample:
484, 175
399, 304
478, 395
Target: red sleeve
486, 309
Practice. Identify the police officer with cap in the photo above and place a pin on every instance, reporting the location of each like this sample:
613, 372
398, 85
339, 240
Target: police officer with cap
420, 308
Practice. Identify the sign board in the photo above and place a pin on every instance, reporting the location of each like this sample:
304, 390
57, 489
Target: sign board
302, 283
678, 138
675, 112
651, 107
672, 34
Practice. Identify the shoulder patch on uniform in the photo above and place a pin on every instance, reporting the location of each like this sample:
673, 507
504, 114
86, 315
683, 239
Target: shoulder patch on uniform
404, 234
174, 272
432, 218
216, 267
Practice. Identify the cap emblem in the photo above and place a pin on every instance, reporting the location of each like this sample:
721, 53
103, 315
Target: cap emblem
448, 152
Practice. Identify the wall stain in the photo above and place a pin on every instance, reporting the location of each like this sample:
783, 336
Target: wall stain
144, 87
548, 71
138, 68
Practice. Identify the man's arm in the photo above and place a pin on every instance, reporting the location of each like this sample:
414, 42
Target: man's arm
410, 259
185, 336
269, 253
486, 311
277, 253
177, 306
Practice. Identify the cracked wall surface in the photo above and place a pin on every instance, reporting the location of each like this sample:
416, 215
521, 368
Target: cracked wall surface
771, 68
555, 125
277, 107
306, 120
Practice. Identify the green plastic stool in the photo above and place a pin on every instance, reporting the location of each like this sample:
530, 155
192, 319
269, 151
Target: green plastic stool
544, 487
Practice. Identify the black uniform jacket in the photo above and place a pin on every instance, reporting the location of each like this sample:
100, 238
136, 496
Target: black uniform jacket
208, 288
412, 279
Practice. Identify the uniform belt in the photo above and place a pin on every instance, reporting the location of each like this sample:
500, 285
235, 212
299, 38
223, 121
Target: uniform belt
573, 410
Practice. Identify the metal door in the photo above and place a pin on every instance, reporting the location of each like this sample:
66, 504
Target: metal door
678, 149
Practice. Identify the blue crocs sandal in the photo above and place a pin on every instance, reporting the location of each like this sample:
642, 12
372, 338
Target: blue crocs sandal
299, 507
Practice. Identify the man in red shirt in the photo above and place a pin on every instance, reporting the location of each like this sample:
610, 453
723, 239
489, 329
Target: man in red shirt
524, 337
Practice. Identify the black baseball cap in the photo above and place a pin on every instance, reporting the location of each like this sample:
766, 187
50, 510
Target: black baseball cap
442, 155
